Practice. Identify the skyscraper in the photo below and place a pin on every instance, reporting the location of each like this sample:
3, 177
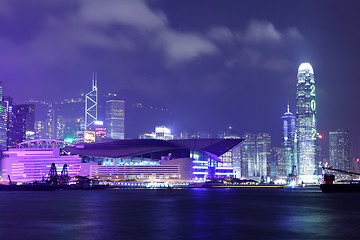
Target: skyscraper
115, 119
22, 128
91, 104
279, 166
339, 149
9, 116
263, 150
3, 118
288, 141
248, 155
255, 156
306, 125
231, 158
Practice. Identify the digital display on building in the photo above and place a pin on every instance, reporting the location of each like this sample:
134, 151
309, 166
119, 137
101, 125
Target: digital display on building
89, 137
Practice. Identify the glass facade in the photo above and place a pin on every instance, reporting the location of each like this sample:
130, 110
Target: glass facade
288, 143
22, 126
248, 155
3, 116
280, 162
263, 149
115, 119
255, 154
339, 149
306, 124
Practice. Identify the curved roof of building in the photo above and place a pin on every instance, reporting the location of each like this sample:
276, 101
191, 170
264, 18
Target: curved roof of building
135, 147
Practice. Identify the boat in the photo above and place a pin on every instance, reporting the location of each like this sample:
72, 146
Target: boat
343, 187
340, 186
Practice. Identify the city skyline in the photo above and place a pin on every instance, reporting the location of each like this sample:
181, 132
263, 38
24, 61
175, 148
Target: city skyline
233, 66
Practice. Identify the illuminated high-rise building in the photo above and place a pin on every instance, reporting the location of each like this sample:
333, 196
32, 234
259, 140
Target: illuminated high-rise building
339, 149
263, 155
22, 127
288, 142
248, 155
231, 158
3, 117
115, 119
279, 162
306, 124
255, 156
91, 104
9, 116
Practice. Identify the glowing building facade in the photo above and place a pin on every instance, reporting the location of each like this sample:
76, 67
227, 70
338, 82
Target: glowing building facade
288, 143
255, 156
22, 125
3, 116
163, 133
29, 164
248, 155
115, 119
339, 149
263, 150
306, 124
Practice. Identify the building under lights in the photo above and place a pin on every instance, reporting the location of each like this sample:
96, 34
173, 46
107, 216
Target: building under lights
255, 156
3, 120
306, 124
287, 158
22, 124
339, 149
248, 155
33, 164
115, 119
263, 156
144, 159
163, 133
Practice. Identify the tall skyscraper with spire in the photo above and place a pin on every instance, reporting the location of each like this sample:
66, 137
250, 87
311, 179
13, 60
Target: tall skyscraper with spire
91, 104
306, 124
288, 140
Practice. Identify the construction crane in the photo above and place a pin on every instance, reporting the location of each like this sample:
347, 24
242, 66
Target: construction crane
53, 176
64, 177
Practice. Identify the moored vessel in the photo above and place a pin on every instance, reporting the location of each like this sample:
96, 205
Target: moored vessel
341, 186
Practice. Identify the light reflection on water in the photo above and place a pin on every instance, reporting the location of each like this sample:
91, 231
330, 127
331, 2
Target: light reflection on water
179, 214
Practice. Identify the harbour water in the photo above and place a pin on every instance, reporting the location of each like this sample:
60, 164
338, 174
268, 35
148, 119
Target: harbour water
180, 214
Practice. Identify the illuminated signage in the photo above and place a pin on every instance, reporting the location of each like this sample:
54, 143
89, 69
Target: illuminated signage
98, 123
69, 140
89, 137
313, 105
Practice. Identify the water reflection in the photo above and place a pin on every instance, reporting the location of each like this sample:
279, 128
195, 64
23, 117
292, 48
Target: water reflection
178, 214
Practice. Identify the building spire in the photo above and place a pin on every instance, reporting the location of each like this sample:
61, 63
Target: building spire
91, 103
288, 108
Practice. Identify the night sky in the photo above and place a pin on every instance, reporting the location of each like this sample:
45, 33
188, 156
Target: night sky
212, 63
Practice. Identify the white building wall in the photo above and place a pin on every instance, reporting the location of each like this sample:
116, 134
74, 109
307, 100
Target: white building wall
27, 164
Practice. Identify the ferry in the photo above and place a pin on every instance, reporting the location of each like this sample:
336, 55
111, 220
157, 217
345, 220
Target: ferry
340, 186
